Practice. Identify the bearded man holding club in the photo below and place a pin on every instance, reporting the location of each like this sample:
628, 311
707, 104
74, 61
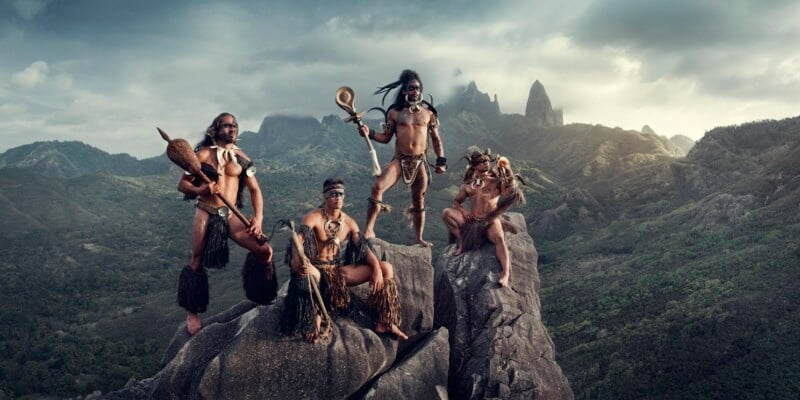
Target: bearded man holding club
220, 172
412, 120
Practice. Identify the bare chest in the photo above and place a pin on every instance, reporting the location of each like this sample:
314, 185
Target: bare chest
484, 188
330, 234
407, 118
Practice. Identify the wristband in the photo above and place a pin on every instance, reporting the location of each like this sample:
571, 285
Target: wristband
441, 161
371, 134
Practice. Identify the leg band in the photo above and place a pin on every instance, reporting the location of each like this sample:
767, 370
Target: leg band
257, 287
386, 303
339, 293
382, 207
193, 290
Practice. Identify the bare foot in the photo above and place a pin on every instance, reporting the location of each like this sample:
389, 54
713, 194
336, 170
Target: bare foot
423, 243
458, 251
193, 323
369, 234
503, 281
394, 329
314, 335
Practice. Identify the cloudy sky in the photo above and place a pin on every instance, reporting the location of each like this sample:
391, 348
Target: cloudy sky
108, 72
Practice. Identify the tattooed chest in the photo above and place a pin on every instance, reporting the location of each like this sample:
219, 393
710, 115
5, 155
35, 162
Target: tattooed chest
407, 118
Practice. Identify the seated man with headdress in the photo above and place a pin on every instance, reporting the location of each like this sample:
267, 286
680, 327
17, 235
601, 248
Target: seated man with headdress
322, 232
491, 189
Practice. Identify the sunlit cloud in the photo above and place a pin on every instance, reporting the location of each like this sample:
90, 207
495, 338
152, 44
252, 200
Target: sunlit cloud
33, 75
108, 73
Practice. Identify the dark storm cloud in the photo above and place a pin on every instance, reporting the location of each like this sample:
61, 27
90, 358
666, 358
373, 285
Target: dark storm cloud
673, 25
731, 48
84, 66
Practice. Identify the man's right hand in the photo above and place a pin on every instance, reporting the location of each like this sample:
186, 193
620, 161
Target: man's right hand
305, 268
363, 130
209, 189
468, 217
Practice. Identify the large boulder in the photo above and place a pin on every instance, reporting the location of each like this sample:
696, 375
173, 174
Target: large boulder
422, 375
241, 354
499, 347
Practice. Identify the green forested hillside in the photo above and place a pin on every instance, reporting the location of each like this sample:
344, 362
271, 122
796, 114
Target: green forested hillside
690, 292
662, 277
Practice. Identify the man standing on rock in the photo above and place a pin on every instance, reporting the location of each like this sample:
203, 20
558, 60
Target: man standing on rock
412, 119
321, 234
491, 190
230, 170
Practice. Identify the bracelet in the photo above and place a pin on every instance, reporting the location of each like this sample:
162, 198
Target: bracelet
371, 134
441, 161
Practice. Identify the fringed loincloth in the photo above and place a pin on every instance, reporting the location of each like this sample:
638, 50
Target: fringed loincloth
410, 165
338, 294
215, 242
474, 235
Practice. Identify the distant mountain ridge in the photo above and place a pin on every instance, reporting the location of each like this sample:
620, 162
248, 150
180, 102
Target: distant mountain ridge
662, 275
73, 158
684, 143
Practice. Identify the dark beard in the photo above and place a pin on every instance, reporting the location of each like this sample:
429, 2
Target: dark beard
225, 138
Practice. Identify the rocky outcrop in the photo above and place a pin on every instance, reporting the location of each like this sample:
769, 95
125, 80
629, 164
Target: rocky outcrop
722, 208
421, 376
499, 347
539, 108
240, 353
473, 101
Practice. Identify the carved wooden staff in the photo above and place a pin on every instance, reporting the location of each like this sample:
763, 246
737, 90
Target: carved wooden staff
346, 100
182, 154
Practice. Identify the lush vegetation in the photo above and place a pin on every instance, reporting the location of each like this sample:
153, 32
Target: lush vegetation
661, 277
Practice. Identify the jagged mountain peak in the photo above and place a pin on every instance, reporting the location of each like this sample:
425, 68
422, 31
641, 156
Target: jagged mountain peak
540, 109
471, 99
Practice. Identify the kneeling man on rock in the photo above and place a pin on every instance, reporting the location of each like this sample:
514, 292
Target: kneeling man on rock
492, 189
321, 234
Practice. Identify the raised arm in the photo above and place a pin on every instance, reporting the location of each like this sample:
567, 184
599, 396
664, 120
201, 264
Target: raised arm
507, 179
388, 129
186, 182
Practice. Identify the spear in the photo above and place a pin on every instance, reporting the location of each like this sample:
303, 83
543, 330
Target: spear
180, 152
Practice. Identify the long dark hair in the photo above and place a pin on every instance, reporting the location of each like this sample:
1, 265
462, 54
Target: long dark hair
402, 82
211, 131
